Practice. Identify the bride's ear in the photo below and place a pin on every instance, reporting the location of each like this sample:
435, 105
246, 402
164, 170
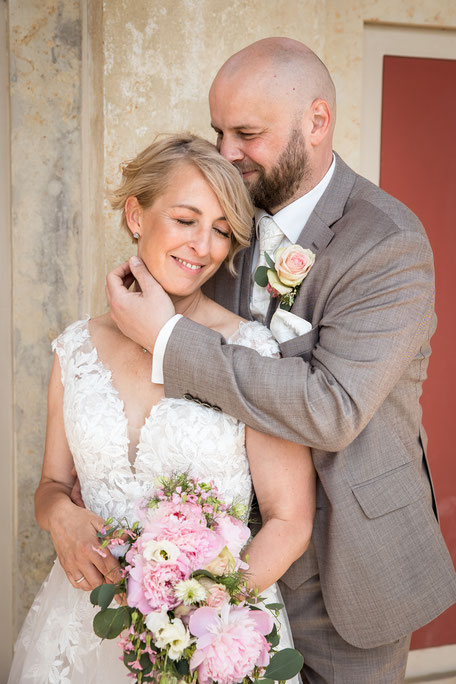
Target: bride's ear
133, 216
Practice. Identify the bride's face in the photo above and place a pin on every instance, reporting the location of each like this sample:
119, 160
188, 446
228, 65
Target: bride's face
184, 237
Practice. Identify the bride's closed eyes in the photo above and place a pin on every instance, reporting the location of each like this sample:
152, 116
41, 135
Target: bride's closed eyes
191, 222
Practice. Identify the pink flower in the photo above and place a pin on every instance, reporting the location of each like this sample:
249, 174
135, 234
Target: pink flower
151, 585
234, 533
293, 264
230, 643
216, 594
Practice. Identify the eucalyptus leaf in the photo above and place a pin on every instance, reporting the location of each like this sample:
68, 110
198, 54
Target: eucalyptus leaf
274, 606
106, 594
94, 595
285, 307
182, 667
284, 665
269, 261
203, 573
273, 637
261, 276
266, 681
109, 623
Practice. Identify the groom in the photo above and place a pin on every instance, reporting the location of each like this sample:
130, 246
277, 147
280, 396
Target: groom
348, 385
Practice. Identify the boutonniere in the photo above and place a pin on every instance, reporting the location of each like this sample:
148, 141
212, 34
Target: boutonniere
283, 277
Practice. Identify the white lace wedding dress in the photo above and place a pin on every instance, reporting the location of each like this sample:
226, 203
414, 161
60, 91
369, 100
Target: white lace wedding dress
57, 643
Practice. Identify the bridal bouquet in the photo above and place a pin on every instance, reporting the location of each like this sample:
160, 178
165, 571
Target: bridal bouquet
185, 610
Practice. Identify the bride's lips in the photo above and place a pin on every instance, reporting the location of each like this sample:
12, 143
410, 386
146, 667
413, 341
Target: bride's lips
187, 265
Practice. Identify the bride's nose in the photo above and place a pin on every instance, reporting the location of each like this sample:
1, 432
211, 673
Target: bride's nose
200, 240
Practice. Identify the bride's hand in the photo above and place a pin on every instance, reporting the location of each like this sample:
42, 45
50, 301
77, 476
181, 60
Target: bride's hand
74, 535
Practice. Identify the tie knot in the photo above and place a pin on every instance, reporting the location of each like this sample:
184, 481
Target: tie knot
270, 235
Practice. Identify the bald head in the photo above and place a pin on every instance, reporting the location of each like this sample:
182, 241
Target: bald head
284, 68
273, 108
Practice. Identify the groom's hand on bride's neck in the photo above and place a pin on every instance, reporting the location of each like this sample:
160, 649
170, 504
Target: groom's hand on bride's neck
140, 315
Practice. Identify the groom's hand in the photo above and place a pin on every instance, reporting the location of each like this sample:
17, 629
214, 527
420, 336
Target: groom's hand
139, 315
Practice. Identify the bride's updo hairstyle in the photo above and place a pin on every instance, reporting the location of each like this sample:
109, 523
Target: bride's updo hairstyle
148, 175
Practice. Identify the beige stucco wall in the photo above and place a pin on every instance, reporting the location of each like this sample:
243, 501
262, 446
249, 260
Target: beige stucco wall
90, 85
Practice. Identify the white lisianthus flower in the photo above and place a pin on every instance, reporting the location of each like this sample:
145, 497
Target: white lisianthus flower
157, 621
176, 637
189, 591
160, 551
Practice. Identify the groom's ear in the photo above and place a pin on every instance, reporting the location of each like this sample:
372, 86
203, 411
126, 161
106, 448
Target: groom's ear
133, 214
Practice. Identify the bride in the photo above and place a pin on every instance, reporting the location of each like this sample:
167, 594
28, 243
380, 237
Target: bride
188, 210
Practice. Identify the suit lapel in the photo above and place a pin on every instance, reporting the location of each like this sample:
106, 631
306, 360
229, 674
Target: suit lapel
317, 233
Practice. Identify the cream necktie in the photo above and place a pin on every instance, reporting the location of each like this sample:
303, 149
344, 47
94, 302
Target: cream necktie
270, 238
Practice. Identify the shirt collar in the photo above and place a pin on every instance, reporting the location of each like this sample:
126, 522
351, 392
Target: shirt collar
292, 218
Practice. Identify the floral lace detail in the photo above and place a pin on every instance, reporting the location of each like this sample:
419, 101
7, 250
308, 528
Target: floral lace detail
256, 336
57, 643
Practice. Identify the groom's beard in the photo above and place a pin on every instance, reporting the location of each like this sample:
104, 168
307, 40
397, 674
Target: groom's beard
277, 187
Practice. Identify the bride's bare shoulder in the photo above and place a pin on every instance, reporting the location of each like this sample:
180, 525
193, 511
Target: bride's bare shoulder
224, 321
103, 328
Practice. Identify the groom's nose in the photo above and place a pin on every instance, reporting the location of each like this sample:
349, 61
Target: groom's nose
231, 148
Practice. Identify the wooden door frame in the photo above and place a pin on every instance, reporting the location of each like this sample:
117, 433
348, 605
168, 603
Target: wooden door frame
404, 41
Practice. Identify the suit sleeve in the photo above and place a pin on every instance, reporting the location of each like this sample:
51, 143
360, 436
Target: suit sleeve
377, 318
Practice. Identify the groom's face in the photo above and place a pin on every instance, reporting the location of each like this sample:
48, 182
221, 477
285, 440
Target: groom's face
263, 139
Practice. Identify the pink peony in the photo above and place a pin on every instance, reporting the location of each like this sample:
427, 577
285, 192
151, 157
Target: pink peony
234, 532
230, 643
198, 544
151, 585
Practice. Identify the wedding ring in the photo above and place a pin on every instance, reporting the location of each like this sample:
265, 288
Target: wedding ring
81, 579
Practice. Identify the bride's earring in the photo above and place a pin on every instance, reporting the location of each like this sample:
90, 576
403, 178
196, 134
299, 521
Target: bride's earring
136, 236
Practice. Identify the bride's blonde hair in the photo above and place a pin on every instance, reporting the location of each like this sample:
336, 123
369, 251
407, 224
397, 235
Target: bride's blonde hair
148, 175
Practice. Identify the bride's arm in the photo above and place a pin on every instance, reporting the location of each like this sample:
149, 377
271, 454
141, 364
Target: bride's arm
284, 480
73, 529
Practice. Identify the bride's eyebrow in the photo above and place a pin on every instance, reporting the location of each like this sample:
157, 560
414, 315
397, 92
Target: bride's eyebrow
195, 209
187, 206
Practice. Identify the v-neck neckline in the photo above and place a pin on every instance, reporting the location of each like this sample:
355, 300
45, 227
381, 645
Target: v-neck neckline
103, 368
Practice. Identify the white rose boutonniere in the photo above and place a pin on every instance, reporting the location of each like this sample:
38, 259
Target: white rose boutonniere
283, 277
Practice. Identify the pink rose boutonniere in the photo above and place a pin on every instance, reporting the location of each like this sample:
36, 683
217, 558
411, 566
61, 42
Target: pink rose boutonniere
283, 277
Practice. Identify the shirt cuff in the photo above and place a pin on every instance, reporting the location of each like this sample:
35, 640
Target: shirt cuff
160, 348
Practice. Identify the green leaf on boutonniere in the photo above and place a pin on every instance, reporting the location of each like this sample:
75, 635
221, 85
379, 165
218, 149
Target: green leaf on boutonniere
269, 261
261, 276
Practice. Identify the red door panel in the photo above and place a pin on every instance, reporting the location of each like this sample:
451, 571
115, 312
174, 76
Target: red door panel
418, 166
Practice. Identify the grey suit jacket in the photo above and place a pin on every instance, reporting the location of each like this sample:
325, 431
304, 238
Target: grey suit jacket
350, 390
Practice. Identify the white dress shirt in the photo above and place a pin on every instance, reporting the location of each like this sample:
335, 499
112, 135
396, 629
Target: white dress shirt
291, 220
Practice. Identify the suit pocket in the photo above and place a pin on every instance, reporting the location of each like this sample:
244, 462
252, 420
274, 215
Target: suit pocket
389, 492
301, 346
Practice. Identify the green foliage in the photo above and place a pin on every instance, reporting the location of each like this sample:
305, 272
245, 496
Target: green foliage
274, 606
261, 276
103, 595
284, 665
273, 637
269, 261
109, 623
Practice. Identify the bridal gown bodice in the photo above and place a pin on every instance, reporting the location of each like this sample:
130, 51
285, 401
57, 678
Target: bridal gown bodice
56, 643
178, 435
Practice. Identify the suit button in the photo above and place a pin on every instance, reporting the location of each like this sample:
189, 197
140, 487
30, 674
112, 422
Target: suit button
188, 396
197, 401
216, 408
204, 403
